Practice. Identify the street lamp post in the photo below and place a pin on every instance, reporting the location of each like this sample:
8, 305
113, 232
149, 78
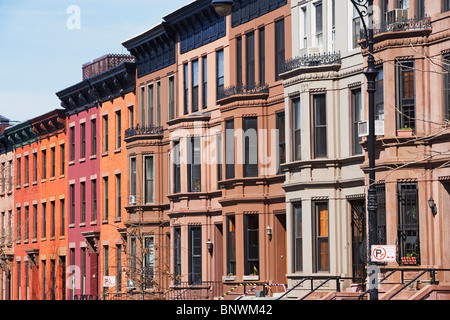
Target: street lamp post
365, 10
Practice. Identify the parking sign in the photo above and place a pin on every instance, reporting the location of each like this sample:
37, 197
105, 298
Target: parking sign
383, 253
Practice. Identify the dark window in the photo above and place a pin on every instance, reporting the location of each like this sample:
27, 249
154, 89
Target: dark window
53, 168
408, 221
194, 165
177, 255
118, 130
320, 126
94, 137
231, 245
118, 196
35, 221
133, 176
27, 223
250, 143
281, 138
446, 75
149, 179
356, 117
262, 56
72, 203
72, 143
186, 88
158, 103
94, 199
445, 5
35, 165
150, 93
105, 198
83, 140
251, 244
171, 98
63, 216
279, 47
27, 169
356, 27
298, 235
105, 134
250, 59
53, 219
420, 9
19, 170
142, 96
195, 85
195, 254
119, 268
219, 72
44, 164
204, 82
319, 23
219, 156
406, 95
239, 61
381, 213
379, 95
83, 201
44, 220
176, 167
229, 149
321, 240
297, 129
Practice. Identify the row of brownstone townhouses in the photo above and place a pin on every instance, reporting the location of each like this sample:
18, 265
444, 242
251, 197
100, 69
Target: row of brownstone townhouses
226, 157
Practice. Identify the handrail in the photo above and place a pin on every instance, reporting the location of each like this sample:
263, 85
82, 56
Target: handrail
287, 292
361, 296
313, 290
407, 284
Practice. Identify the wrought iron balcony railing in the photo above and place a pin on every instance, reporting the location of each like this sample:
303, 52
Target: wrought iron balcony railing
401, 24
254, 88
312, 60
143, 130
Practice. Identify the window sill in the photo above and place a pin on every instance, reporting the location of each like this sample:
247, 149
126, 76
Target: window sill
82, 160
104, 154
228, 278
93, 223
250, 278
82, 224
34, 183
26, 185
118, 219
118, 150
71, 162
72, 225
93, 157
104, 221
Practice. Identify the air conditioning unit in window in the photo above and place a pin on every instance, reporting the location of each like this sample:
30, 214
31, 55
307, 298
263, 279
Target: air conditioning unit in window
363, 128
132, 200
130, 285
396, 16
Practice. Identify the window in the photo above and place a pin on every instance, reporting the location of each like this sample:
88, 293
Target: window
402, 4
186, 87
130, 116
219, 72
72, 143
195, 254
219, 155
281, 138
320, 220
94, 199
356, 28
72, 203
379, 95
53, 278
27, 174
63, 224
149, 260
420, 9
296, 112
446, 76
62, 152
19, 171
118, 268
93, 137
27, 223
195, 85
204, 82
171, 98
118, 130
279, 47
357, 111
133, 176
408, 221
177, 255
19, 224
35, 222
83, 201
118, 197
44, 220
231, 245
35, 166
176, 167
333, 25
251, 244
53, 220
298, 236
149, 172
318, 23
445, 5
19, 281
83, 140
105, 198
53, 168
105, 133
239, 61
44, 164
262, 56
320, 126
381, 213
250, 143
106, 260
229, 149
384, 4
303, 28
142, 96
158, 103
250, 59
44, 279
405, 95
194, 165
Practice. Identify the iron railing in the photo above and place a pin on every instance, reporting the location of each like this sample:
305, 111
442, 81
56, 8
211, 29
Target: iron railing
311, 60
205, 290
143, 130
240, 89
401, 24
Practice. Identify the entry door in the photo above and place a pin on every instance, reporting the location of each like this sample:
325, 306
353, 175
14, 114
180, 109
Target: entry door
280, 250
358, 227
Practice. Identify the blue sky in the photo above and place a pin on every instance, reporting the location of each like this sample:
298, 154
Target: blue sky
42, 49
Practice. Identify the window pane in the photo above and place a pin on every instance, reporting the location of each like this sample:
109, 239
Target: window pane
250, 142
320, 126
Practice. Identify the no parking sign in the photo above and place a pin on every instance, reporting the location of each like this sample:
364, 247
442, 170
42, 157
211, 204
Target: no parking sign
383, 253
109, 281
